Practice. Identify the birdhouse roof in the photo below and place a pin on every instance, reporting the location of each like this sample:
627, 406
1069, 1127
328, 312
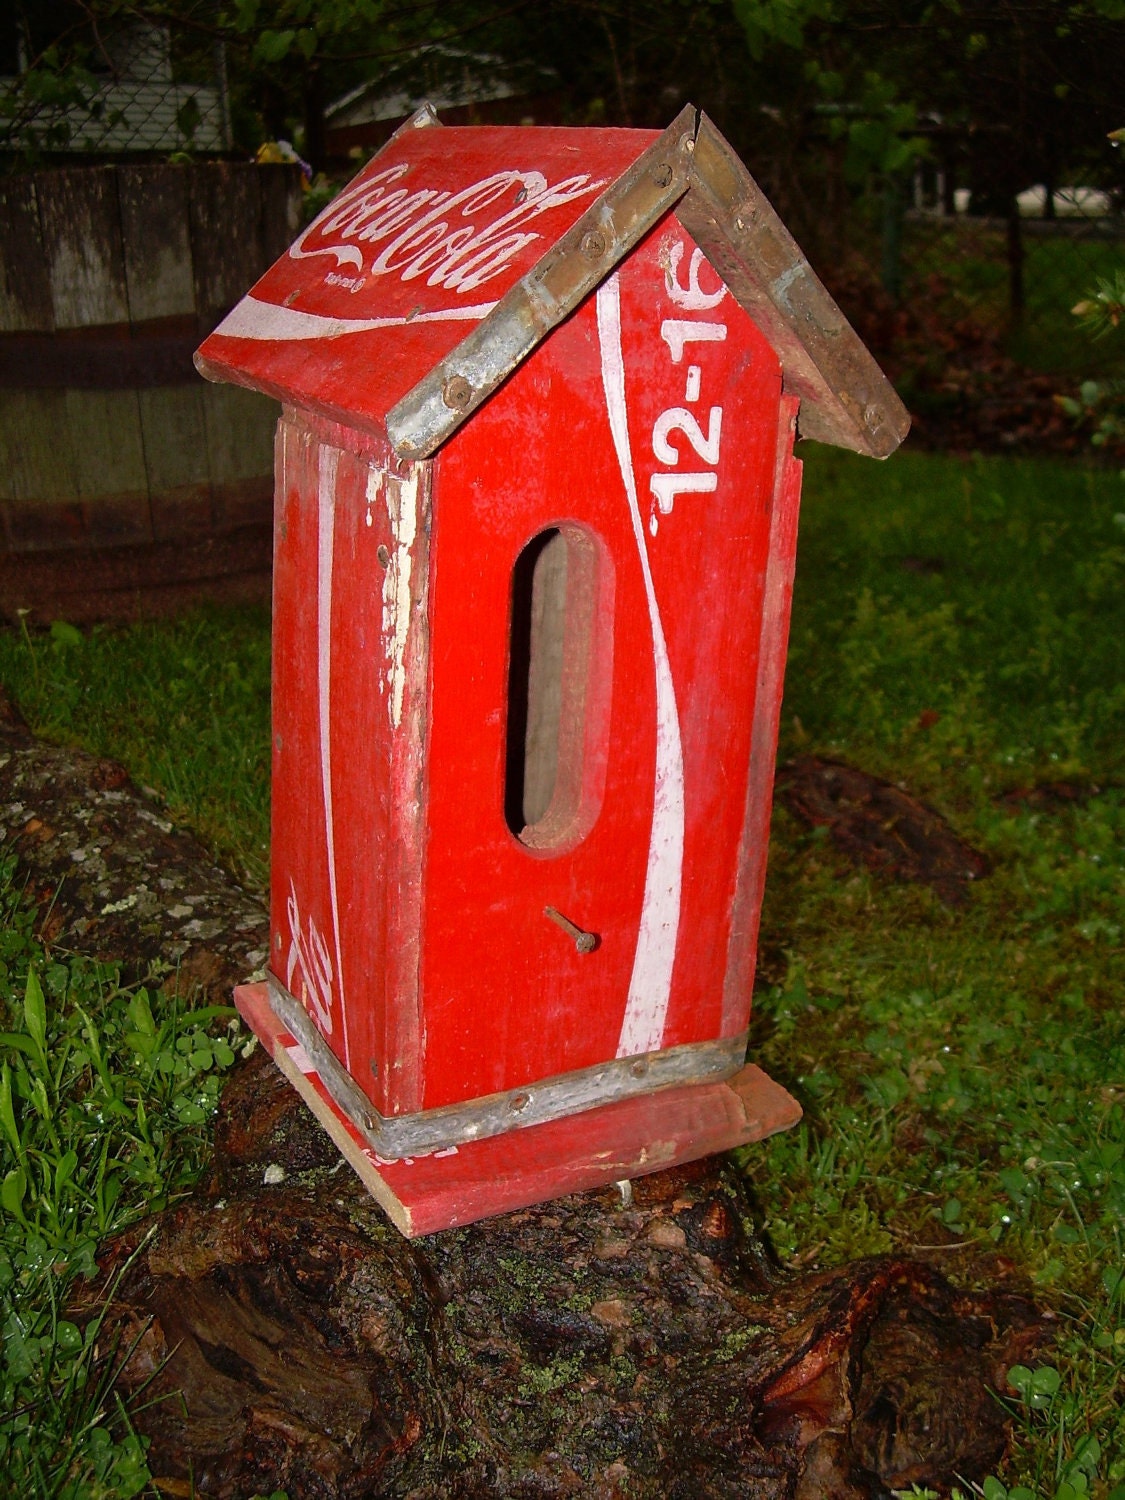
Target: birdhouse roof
424, 284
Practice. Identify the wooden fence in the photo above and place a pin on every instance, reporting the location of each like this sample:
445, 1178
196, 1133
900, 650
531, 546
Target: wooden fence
121, 471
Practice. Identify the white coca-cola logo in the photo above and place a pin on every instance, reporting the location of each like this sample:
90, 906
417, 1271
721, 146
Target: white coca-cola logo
422, 233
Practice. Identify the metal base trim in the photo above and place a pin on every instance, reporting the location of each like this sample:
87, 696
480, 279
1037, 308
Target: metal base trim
398, 1136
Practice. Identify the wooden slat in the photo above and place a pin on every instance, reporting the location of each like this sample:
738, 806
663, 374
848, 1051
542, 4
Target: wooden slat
35, 457
226, 236
280, 186
175, 452
240, 428
25, 287
81, 225
38, 488
157, 245
109, 464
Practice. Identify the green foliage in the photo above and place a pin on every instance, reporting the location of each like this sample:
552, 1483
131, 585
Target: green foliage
1099, 408
1100, 405
1103, 308
106, 1093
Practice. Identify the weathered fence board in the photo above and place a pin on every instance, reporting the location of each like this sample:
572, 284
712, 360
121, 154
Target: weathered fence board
109, 464
81, 225
25, 285
108, 438
157, 242
226, 231
38, 486
179, 475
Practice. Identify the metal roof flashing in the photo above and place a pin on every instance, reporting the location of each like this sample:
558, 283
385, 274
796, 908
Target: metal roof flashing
845, 399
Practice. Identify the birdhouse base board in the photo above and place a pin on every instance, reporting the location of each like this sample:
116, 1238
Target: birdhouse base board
606, 1144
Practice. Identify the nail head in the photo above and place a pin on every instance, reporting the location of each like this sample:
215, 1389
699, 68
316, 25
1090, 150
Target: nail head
457, 392
593, 245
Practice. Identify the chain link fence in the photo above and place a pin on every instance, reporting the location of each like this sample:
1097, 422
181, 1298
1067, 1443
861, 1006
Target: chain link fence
147, 89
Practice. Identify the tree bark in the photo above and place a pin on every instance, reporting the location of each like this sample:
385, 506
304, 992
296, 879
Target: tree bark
281, 1335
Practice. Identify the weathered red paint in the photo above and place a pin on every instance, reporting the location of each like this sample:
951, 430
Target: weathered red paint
395, 220
651, 428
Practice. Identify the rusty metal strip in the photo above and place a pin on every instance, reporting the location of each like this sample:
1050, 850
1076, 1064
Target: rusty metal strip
427, 415
393, 1137
845, 397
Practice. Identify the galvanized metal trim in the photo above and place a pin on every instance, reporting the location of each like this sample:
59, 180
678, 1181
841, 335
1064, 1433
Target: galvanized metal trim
845, 397
423, 117
429, 413
393, 1137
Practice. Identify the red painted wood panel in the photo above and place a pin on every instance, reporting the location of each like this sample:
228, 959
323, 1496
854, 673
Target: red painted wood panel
605, 405
468, 1182
411, 920
776, 607
408, 258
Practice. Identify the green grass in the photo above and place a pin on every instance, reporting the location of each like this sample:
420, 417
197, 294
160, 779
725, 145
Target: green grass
962, 1070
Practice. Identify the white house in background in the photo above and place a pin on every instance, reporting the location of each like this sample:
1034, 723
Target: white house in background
467, 87
137, 105
1069, 202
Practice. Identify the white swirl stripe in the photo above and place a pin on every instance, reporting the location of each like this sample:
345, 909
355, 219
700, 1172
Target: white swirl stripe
327, 463
650, 986
266, 321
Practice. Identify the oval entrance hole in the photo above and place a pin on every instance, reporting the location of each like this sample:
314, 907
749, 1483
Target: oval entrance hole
558, 688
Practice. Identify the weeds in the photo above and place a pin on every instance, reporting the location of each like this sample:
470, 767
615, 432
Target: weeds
183, 705
106, 1093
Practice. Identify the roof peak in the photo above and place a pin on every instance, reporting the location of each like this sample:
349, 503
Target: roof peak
845, 398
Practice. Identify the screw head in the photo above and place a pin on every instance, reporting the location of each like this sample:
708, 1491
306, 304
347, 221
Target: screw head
638, 1067
873, 415
519, 1102
457, 393
662, 174
593, 245
382, 556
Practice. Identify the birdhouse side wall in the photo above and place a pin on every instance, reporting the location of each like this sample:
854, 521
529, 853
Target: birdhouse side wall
349, 695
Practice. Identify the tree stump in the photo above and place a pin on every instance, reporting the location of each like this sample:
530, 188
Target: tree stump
280, 1334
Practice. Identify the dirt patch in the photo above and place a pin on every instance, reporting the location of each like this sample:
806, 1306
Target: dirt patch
1050, 796
110, 874
881, 826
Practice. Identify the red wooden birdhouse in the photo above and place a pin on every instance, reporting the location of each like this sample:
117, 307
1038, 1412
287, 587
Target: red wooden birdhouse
536, 513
